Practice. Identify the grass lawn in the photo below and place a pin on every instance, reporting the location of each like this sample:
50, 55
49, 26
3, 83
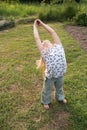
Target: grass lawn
21, 83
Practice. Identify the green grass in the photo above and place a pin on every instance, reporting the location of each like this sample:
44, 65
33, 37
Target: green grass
21, 83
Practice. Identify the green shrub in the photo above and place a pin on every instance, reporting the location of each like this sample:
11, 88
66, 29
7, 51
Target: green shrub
69, 12
58, 13
50, 14
17, 10
81, 19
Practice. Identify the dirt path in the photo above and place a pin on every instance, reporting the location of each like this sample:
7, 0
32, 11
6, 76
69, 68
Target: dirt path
79, 33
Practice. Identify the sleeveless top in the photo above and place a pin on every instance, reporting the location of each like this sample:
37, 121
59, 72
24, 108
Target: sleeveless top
55, 61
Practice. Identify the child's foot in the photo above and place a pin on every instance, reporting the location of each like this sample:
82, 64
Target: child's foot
46, 106
64, 101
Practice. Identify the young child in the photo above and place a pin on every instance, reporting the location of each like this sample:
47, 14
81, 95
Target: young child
53, 63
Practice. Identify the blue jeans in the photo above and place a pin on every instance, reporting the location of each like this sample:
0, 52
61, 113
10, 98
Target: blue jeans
47, 89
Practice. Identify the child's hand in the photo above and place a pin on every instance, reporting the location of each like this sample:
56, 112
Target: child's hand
38, 22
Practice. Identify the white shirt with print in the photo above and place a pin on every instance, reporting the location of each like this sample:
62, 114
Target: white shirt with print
55, 61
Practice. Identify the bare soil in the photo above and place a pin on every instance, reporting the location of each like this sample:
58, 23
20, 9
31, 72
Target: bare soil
61, 121
79, 33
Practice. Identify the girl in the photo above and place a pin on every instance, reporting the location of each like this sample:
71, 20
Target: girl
53, 63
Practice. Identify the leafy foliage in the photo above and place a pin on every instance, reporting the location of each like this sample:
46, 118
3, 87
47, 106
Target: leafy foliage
58, 13
81, 19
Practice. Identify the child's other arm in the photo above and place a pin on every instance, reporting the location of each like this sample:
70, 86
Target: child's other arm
52, 32
36, 36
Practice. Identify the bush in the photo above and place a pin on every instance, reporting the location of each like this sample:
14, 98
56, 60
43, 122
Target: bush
81, 19
58, 13
69, 12
50, 14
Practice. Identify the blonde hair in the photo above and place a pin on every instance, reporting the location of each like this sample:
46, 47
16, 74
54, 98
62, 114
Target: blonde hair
41, 65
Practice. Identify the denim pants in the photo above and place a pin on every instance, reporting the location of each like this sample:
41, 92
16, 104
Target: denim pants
47, 89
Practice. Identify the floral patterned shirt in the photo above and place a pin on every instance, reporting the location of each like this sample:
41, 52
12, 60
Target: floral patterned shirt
55, 61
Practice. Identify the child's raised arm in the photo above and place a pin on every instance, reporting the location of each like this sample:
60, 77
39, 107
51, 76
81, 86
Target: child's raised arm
36, 36
50, 30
